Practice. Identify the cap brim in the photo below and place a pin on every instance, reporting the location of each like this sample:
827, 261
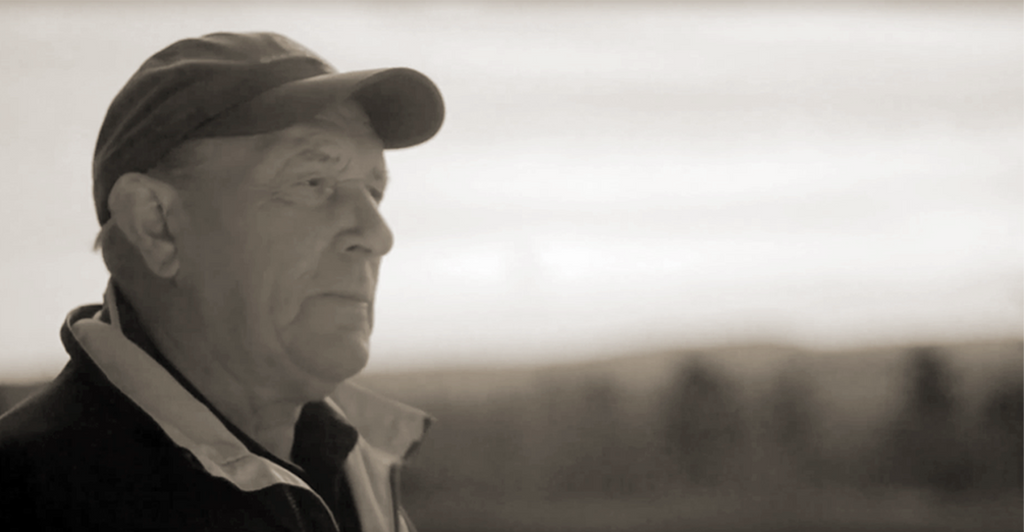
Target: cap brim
404, 106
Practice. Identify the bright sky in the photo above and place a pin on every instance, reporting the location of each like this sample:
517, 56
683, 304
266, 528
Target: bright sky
608, 176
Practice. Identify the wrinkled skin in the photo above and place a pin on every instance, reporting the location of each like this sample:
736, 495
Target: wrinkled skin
281, 249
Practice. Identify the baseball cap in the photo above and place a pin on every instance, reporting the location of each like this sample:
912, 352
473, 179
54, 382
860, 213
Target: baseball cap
234, 84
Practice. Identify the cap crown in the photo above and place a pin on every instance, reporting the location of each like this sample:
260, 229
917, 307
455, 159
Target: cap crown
182, 87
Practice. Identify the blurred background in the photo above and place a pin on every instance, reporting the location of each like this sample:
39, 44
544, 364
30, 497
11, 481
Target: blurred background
667, 266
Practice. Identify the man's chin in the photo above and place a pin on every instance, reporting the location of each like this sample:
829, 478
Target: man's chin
329, 340
330, 359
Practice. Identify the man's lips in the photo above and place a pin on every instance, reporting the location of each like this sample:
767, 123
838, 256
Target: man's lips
358, 298
331, 312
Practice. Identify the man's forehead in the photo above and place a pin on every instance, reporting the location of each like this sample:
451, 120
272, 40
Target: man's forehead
334, 137
346, 113
318, 143
346, 118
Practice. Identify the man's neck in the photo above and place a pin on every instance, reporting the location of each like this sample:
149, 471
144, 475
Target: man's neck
261, 412
268, 421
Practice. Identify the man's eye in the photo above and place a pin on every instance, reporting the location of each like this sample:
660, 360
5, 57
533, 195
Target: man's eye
309, 191
321, 185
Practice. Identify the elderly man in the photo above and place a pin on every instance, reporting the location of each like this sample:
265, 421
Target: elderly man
237, 179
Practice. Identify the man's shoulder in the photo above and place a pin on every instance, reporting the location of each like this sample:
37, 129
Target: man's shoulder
68, 403
74, 421
78, 449
43, 412
48, 444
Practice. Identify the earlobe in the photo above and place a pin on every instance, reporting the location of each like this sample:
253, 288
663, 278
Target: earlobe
139, 205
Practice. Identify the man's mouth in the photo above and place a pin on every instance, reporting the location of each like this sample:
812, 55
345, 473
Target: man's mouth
358, 298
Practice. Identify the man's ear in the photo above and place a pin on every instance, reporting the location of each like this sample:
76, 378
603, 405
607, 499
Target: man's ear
141, 205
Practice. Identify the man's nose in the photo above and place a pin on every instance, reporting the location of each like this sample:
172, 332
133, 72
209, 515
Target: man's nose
363, 228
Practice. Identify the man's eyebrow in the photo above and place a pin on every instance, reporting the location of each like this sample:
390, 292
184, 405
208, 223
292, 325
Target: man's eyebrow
312, 154
381, 174
317, 154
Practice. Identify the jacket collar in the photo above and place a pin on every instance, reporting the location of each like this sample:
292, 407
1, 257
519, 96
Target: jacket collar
391, 428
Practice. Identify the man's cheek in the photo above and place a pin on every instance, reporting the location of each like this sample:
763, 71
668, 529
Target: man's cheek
289, 281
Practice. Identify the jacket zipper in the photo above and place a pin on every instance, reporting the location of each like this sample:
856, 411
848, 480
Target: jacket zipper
298, 515
396, 507
295, 509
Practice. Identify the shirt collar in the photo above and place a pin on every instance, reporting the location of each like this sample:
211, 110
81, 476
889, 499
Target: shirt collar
391, 427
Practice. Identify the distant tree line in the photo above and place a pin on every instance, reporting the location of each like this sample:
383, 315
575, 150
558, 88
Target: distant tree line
707, 431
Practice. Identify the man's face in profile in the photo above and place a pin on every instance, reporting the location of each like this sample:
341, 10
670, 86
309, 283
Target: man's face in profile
282, 246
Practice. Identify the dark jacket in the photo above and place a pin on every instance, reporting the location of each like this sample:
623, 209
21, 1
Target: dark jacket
116, 442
